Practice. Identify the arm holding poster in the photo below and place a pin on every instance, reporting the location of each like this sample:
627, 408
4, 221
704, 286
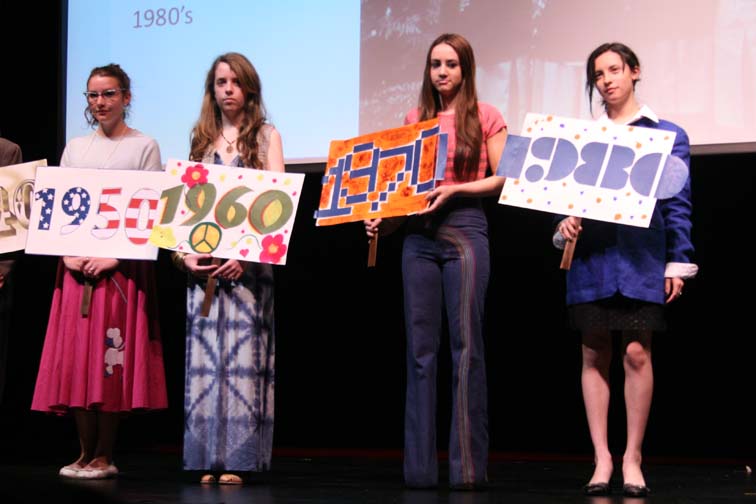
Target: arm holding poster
441, 194
487, 186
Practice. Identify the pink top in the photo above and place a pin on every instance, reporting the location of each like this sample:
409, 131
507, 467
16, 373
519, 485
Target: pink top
491, 122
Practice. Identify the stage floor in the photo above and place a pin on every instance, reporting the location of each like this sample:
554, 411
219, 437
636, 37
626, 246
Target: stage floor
156, 478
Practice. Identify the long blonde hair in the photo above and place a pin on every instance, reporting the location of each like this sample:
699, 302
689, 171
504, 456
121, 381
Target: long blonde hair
209, 126
467, 122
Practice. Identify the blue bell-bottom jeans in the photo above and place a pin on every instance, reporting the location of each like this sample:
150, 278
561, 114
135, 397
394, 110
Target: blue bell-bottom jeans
445, 266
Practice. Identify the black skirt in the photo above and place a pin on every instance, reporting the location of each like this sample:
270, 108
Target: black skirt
617, 313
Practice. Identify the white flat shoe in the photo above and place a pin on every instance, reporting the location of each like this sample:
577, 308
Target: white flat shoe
104, 473
70, 471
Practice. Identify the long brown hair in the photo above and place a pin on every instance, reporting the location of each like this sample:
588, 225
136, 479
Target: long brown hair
208, 127
467, 122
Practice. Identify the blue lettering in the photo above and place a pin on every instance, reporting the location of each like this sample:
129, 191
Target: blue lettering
673, 178
564, 162
644, 172
615, 175
593, 154
513, 157
542, 149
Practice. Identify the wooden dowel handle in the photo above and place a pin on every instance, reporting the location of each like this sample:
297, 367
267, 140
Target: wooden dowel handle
569, 250
86, 298
372, 251
209, 291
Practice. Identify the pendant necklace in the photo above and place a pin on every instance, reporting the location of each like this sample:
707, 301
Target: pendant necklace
230, 147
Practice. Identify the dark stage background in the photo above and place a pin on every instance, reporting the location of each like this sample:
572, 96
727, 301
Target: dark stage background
340, 342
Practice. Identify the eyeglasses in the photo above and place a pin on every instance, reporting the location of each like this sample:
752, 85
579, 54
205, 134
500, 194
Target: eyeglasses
108, 94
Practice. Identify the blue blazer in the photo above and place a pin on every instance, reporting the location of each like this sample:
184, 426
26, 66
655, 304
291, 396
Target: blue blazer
618, 259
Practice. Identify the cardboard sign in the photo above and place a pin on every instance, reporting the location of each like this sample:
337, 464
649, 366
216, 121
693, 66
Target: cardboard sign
233, 213
95, 213
16, 193
382, 174
591, 169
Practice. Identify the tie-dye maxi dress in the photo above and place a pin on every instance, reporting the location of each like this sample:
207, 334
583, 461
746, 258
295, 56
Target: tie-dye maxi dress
230, 355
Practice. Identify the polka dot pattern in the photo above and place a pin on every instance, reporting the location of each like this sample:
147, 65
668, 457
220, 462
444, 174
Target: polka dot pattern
591, 170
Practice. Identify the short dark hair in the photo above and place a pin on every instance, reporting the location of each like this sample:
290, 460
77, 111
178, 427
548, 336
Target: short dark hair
629, 58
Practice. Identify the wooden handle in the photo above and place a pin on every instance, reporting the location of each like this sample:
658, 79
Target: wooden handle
569, 250
372, 251
209, 291
86, 298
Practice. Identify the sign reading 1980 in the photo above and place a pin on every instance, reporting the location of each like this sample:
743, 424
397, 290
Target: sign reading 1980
171, 16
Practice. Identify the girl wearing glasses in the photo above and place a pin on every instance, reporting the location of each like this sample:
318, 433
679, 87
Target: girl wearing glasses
107, 363
230, 354
622, 276
445, 265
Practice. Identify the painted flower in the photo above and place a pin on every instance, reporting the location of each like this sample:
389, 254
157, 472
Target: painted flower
162, 236
194, 175
273, 249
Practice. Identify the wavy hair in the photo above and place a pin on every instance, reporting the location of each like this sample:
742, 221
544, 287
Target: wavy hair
209, 126
467, 121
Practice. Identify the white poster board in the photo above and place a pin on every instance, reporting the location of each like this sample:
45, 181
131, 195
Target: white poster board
593, 169
233, 213
16, 192
95, 213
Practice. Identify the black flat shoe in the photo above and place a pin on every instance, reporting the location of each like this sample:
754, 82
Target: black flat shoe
596, 489
469, 487
420, 486
629, 490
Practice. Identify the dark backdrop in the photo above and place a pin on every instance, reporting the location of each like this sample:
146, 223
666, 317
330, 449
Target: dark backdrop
340, 343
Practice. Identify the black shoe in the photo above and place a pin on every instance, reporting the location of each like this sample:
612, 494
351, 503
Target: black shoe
629, 490
596, 489
468, 487
420, 486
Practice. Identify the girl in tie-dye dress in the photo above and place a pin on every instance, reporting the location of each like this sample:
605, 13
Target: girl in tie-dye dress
230, 353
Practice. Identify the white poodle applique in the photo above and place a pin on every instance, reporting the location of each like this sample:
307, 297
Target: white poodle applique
114, 353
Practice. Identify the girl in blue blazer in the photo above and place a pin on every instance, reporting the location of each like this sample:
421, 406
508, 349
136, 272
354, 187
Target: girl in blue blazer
622, 276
